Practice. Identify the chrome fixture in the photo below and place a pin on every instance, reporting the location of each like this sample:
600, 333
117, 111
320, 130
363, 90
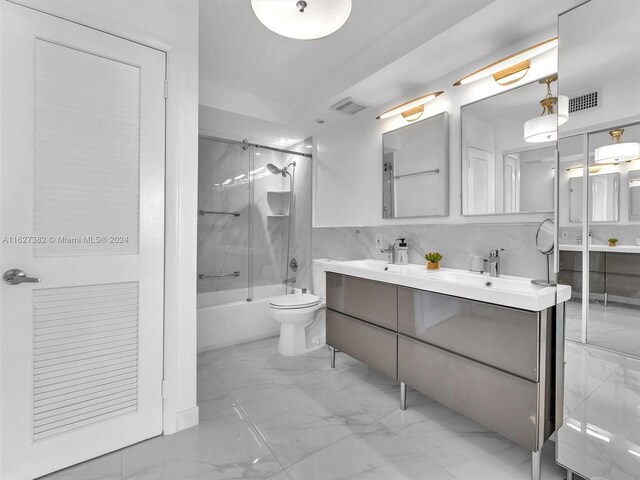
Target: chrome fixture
425, 172
280, 171
289, 280
212, 212
493, 260
202, 276
293, 265
391, 252
15, 276
579, 239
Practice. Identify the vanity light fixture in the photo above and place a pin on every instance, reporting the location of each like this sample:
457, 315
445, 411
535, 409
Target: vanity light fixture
555, 112
411, 110
617, 151
302, 20
510, 69
580, 169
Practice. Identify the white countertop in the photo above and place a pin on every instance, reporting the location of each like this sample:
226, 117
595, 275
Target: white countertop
506, 290
603, 248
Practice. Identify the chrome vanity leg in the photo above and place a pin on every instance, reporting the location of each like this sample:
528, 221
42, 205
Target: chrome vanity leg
333, 357
569, 475
536, 465
403, 396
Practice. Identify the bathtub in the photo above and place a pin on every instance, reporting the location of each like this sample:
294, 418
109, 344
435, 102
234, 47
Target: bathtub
226, 318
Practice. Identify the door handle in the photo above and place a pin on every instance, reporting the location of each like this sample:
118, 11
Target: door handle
16, 276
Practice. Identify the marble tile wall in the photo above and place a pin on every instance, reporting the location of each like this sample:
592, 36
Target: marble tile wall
455, 242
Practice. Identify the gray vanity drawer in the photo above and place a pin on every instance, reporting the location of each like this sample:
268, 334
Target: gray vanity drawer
372, 345
623, 263
623, 285
374, 302
501, 402
505, 338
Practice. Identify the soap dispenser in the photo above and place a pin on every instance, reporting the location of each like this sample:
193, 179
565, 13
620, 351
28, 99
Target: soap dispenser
403, 252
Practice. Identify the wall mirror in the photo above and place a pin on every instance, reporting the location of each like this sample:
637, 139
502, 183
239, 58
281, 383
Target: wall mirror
634, 195
415, 166
604, 198
501, 173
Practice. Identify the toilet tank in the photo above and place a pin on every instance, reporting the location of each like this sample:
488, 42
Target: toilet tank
318, 278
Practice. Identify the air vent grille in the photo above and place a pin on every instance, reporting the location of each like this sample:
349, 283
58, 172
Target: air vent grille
583, 102
350, 106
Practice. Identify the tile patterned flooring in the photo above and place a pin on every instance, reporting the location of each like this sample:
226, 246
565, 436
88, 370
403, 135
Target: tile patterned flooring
265, 416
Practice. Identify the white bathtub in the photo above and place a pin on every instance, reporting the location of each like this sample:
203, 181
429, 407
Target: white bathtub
226, 318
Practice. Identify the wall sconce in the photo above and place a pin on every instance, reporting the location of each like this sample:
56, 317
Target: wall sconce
617, 151
510, 69
545, 127
411, 110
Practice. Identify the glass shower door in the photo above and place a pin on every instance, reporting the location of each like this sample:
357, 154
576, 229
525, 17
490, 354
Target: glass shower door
223, 220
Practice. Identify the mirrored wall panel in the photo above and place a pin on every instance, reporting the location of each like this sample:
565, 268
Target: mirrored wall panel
415, 161
501, 172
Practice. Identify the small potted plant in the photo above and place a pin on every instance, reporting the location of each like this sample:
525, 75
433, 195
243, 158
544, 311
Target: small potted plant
433, 260
613, 242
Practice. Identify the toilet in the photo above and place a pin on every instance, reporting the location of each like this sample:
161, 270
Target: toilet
302, 317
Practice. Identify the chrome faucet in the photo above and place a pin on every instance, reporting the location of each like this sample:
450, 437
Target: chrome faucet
391, 252
579, 239
493, 261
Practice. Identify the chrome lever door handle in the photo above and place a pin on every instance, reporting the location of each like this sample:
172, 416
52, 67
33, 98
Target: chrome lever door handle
16, 276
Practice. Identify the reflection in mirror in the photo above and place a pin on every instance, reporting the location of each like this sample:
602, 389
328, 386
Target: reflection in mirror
545, 242
634, 195
604, 198
501, 173
415, 163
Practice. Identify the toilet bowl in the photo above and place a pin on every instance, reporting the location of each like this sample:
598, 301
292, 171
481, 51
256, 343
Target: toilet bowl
298, 314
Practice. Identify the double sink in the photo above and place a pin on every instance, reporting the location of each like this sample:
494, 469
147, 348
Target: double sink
506, 290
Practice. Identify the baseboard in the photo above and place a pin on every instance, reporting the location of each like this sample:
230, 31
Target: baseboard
187, 418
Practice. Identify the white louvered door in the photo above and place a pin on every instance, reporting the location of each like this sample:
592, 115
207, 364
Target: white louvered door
81, 208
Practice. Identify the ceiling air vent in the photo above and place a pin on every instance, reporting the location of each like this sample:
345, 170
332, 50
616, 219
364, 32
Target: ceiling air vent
583, 102
350, 106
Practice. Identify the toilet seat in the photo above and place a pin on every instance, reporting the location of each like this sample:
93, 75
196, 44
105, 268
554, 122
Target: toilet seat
292, 302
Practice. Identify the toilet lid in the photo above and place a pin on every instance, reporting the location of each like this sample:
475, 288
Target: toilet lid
299, 300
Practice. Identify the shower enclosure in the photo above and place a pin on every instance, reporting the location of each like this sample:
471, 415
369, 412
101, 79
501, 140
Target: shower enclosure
254, 235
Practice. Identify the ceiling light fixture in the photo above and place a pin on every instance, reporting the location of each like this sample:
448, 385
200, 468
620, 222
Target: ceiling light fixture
545, 127
302, 20
413, 109
617, 151
510, 69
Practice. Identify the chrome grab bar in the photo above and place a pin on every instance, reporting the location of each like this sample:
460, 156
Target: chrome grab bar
213, 212
426, 172
202, 276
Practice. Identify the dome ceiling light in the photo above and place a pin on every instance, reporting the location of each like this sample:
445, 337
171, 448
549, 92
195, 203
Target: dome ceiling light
411, 110
617, 151
302, 20
510, 69
545, 127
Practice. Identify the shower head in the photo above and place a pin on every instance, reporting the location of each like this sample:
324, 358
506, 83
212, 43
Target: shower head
275, 170
282, 171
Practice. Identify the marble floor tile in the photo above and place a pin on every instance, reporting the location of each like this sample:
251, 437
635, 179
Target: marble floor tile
374, 453
550, 469
464, 448
585, 370
107, 467
301, 420
601, 438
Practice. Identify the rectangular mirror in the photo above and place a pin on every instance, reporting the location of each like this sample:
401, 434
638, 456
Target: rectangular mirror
501, 173
415, 166
634, 195
604, 198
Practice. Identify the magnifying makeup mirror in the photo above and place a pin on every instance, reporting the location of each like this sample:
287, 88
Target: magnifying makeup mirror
545, 238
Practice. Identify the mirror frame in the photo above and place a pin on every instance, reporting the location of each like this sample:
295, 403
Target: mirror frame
633, 175
445, 173
525, 148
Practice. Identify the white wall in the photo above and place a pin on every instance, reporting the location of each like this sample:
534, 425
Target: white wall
354, 151
172, 26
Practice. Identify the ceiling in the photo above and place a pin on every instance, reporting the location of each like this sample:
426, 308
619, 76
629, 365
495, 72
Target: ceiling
256, 84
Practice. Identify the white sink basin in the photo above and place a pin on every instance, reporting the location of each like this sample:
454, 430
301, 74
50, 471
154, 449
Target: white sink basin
517, 292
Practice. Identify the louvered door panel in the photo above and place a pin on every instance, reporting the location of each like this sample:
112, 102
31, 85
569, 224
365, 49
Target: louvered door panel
85, 356
86, 153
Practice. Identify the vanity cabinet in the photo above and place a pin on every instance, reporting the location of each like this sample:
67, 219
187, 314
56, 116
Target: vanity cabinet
496, 365
610, 273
